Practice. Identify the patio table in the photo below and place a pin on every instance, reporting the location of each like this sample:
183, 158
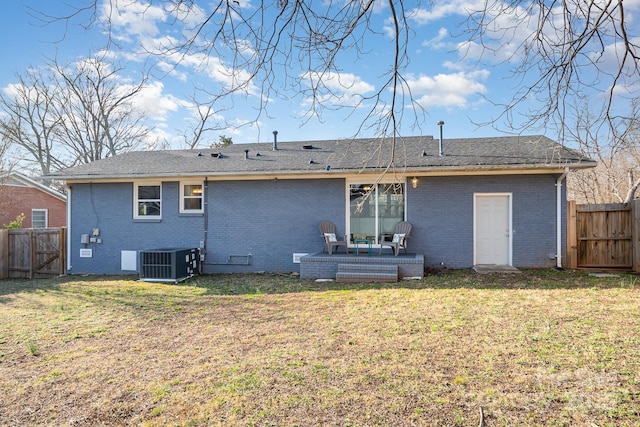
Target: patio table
356, 242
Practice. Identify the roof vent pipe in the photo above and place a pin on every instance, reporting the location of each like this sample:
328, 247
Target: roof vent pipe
275, 140
246, 154
440, 148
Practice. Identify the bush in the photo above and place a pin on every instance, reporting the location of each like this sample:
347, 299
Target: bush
16, 223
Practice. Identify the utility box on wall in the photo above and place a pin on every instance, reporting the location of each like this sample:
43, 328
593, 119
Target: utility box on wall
169, 265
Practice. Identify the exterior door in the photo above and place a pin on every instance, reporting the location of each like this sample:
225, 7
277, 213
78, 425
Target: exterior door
492, 229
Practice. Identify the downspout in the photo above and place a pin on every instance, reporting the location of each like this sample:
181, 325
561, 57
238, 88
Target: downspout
205, 203
68, 228
559, 217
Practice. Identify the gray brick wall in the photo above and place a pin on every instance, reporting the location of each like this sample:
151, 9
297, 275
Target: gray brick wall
109, 207
441, 211
268, 219
271, 220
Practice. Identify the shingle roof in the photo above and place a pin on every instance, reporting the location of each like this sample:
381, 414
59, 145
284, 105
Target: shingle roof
13, 178
412, 154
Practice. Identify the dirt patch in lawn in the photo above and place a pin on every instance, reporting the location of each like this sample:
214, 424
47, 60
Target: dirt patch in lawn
538, 348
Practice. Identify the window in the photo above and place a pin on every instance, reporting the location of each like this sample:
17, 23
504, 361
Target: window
374, 210
39, 218
191, 197
147, 201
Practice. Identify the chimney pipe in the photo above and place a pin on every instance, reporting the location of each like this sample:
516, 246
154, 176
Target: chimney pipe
275, 140
440, 148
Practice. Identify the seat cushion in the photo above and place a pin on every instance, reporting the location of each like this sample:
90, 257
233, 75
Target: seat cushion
397, 238
331, 237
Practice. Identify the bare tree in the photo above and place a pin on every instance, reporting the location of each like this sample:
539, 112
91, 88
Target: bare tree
200, 125
62, 116
98, 117
7, 163
6, 159
616, 178
29, 120
266, 49
558, 51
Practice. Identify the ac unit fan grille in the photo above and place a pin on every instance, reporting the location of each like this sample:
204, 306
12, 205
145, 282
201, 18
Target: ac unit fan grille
169, 264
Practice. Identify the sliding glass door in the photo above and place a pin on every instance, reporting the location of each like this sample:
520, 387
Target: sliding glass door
374, 210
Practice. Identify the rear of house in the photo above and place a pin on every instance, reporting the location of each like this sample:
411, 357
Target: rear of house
257, 207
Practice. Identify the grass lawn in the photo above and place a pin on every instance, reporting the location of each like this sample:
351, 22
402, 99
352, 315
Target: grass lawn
544, 348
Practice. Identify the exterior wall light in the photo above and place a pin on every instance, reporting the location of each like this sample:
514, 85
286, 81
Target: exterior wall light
414, 182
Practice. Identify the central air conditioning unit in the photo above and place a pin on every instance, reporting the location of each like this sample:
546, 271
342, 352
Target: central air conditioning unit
169, 265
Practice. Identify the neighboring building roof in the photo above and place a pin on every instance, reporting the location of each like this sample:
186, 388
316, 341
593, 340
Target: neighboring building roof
411, 155
16, 179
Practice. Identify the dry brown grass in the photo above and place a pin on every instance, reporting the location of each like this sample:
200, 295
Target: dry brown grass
543, 348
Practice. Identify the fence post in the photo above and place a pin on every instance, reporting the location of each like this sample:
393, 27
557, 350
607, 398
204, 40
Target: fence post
635, 234
62, 243
32, 253
572, 235
4, 254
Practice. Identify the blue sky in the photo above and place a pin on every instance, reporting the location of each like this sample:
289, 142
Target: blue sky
458, 90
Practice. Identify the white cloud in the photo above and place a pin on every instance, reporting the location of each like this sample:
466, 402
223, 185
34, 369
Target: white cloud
448, 90
137, 19
155, 30
440, 9
610, 61
507, 27
343, 89
156, 104
439, 41
347, 84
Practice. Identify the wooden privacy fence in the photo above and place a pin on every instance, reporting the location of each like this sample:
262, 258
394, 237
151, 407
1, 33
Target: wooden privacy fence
603, 236
32, 253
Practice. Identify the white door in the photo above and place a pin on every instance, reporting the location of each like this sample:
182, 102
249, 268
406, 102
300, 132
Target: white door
492, 229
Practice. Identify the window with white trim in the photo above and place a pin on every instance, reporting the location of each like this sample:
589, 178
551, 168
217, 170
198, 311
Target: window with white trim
39, 218
147, 200
374, 210
191, 197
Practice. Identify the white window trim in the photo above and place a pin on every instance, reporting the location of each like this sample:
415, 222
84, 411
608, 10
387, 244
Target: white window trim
136, 201
46, 217
363, 180
182, 197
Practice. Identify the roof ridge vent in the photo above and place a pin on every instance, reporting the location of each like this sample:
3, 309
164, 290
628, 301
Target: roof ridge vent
308, 147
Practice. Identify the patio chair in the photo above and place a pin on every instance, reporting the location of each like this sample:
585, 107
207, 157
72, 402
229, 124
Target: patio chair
399, 241
328, 233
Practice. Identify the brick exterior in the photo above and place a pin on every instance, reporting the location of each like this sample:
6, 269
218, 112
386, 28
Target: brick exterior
323, 266
268, 221
16, 200
441, 211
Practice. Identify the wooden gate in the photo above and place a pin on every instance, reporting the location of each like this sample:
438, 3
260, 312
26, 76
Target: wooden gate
603, 236
31, 253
